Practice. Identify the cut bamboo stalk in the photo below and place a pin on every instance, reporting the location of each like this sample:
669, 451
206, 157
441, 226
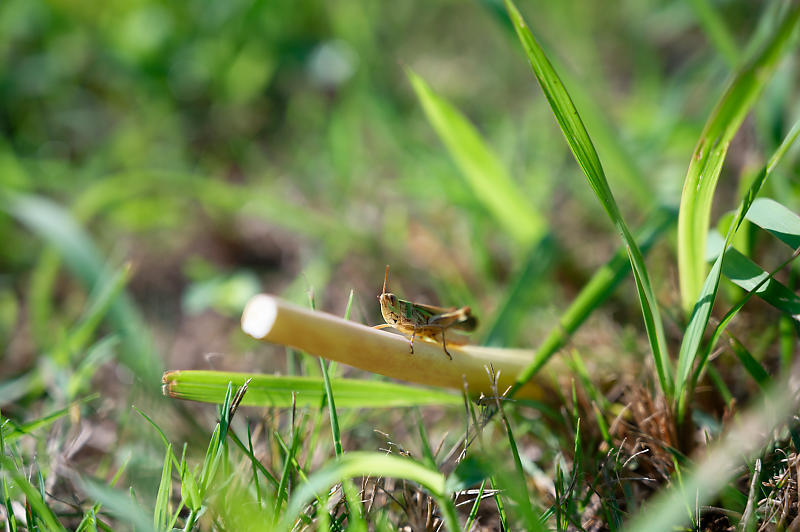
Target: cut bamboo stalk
271, 319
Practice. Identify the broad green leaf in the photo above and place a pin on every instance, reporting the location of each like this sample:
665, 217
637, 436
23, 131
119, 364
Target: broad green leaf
775, 218
748, 275
582, 148
483, 170
273, 390
709, 154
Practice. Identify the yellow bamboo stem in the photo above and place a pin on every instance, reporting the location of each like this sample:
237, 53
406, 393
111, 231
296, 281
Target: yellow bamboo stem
271, 319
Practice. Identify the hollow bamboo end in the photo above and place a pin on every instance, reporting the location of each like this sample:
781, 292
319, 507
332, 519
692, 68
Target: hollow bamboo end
259, 316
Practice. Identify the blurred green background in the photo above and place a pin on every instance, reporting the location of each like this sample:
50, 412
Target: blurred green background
225, 148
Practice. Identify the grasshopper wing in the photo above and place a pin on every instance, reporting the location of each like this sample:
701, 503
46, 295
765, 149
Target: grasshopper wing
457, 318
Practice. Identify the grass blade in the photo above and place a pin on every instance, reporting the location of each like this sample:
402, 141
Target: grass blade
750, 364
591, 296
120, 504
723, 324
709, 154
473, 512
690, 345
102, 297
55, 225
776, 219
485, 174
373, 464
607, 138
751, 277
582, 148
11, 431
162, 512
507, 319
273, 390
711, 21
34, 499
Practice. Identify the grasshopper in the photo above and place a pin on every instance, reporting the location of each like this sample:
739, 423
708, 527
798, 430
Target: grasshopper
427, 321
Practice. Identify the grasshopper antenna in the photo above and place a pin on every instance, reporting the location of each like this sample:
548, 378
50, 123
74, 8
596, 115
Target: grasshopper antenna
385, 278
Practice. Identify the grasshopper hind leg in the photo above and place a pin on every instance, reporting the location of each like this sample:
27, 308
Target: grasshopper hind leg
444, 346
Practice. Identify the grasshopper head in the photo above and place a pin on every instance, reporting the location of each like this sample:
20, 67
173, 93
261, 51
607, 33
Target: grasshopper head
388, 300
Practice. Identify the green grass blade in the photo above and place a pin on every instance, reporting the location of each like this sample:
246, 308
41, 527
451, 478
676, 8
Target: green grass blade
355, 514
257, 465
520, 490
688, 354
163, 436
290, 460
473, 512
749, 276
34, 499
427, 453
53, 224
12, 431
507, 319
776, 219
610, 143
101, 299
582, 148
373, 464
120, 504
253, 462
502, 515
566, 114
481, 167
709, 154
717, 30
11, 520
326, 384
753, 289
597, 290
690, 345
326, 380
162, 512
276, 391
752, 366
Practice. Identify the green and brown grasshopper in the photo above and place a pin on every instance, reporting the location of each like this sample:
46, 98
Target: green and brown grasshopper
427, 321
